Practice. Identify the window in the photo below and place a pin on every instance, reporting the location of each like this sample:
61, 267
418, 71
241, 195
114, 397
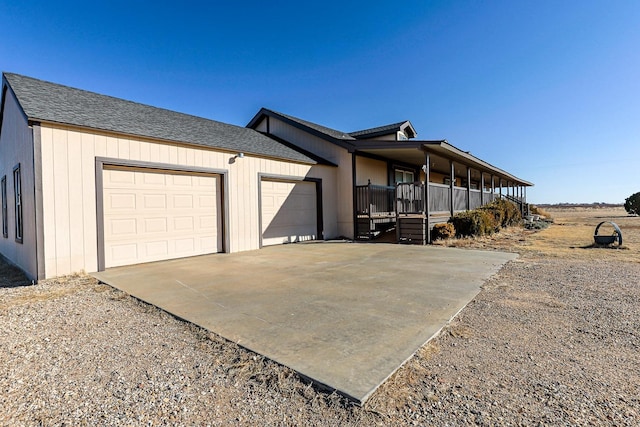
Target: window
5, 225
403, 176
17, 193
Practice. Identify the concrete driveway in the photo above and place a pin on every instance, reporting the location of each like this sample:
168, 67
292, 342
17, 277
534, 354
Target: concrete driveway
345, 315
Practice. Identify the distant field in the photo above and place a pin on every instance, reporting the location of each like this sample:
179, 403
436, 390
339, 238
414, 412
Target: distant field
580, 205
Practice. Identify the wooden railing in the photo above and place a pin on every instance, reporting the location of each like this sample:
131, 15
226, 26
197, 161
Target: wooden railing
439, 198
379, 207
374, 199
410, 195
410, 198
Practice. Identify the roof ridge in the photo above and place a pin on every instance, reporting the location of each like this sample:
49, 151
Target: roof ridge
115, 98
50, 102
333, 133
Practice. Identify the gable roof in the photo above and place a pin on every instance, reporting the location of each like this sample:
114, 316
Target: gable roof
49, 102
324, 132
407, 151
386, 130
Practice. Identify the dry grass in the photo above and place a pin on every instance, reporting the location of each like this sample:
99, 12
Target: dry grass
570, 236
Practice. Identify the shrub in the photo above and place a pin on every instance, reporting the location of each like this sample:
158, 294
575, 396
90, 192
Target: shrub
504, 212
474, 223
535, 210
443, 231
632, 204
487, 219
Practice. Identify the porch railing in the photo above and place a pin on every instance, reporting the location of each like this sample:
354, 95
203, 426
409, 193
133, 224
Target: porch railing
439, 198
374, 199
378, 206
410, 198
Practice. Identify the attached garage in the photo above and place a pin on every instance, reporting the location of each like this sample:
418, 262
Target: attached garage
158, 214
290, 210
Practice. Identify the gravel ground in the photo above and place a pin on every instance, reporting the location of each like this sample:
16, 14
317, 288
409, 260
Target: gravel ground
548, 341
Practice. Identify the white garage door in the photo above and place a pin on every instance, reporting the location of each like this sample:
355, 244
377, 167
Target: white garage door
157, 215
289, 212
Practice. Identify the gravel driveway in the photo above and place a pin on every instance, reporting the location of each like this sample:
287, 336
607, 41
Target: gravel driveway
549, 340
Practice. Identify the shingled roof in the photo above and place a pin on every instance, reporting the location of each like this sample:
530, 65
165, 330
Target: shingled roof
49, 102
321, 131
384, 130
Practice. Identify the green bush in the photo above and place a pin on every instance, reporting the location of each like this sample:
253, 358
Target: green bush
632, 204
443, 231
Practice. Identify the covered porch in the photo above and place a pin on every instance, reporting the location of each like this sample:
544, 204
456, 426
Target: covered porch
427, 182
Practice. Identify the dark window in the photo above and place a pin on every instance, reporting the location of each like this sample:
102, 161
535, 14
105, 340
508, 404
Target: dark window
17, 193
401, 175
5, 225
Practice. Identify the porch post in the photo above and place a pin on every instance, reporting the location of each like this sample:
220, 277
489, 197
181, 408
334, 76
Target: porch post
452, 178
354, 199
427, 194
524, 190
493, 188
468, 188
500, 186
481, 188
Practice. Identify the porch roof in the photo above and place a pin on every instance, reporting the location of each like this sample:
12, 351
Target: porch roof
413, 152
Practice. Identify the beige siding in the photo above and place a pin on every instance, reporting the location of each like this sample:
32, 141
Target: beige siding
16, 146
332, 152
370, 169
69, 190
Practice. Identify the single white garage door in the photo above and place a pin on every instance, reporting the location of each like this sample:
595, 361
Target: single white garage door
289, 212
156, 215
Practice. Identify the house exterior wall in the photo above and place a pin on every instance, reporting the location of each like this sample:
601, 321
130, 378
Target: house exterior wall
371, 169
16, 147
69, 190
332, 152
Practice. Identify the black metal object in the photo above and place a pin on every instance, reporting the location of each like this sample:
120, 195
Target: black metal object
608, 240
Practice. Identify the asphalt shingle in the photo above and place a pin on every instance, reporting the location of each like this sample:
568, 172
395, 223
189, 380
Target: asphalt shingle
50, 102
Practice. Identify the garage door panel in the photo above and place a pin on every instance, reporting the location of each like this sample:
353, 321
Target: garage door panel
160, 217
184, 201
289, 212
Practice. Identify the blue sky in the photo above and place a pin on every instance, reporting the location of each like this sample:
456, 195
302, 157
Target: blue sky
547, 90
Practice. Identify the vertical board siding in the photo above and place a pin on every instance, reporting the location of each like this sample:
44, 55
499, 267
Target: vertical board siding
60, 189
76, 203
48, 203
69, 193
16, 146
